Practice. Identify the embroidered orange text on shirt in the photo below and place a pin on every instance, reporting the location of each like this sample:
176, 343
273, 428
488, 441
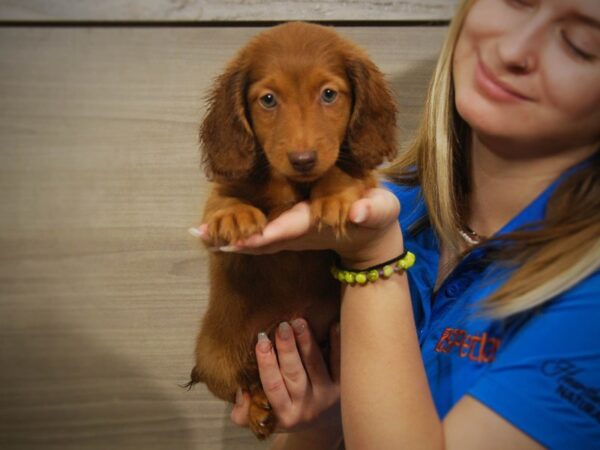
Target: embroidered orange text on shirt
479, 348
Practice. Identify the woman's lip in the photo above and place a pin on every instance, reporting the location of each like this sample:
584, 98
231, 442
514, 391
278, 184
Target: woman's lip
493, 87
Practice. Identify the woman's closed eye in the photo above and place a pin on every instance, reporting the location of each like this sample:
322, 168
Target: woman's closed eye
522, 3
577, 48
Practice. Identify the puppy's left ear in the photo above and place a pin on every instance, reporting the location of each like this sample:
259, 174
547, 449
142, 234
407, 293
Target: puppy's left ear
371, 136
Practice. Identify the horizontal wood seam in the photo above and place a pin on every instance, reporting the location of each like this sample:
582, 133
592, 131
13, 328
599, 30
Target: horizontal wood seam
215, 24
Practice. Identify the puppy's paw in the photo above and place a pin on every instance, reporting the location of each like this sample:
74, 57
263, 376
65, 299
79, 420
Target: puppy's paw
236, 222
332, 211
261, 419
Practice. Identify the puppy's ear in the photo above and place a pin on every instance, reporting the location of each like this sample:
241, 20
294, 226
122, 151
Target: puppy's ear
371, 136
226, 137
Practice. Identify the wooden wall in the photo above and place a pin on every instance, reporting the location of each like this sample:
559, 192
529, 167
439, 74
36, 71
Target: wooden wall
101, 287
224, 10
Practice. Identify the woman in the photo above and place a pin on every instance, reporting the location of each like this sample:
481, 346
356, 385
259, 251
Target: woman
495, 342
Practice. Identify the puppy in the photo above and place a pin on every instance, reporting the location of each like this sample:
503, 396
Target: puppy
299, 114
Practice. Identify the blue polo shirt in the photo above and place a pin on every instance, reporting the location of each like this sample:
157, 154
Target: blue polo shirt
540, 371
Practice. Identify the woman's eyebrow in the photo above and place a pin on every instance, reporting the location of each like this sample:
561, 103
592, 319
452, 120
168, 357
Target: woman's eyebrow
587, 20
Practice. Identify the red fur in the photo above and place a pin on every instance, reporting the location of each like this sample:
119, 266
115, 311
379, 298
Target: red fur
245, 152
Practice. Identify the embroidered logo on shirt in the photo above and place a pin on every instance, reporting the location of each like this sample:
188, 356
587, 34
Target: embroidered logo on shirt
478, 348
572, 389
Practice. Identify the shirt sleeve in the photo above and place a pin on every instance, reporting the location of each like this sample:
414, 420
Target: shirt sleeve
546, 378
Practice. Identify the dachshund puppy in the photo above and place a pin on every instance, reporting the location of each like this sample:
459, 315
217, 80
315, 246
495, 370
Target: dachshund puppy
299, 114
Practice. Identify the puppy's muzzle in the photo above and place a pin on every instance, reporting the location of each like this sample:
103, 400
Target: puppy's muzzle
303, 162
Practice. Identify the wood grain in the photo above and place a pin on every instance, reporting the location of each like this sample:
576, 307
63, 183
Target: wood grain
227, 10
101, 288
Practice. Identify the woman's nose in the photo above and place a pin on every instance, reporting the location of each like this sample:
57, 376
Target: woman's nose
519, 47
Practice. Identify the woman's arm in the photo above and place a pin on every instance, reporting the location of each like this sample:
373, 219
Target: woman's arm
386, 401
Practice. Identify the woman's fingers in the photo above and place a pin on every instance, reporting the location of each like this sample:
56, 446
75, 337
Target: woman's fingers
270, 375
285, 376
313, 360
377, 209
290, 363
239, 413
291, 224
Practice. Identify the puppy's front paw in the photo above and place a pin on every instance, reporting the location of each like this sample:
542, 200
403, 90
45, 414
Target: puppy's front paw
332, 211
261, 419
229, 225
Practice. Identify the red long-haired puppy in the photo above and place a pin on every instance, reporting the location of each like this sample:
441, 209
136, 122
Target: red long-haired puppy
299, 114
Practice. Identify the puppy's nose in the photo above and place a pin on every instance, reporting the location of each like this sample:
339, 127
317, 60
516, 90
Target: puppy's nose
303, 161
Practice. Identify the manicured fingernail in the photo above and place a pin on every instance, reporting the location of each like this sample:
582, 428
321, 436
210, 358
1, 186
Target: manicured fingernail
298, 325
196, 232
285, 331
264, 344
360, 216
229, 248
239, 397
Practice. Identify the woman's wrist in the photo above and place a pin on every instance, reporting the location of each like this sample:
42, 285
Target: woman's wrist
390, 245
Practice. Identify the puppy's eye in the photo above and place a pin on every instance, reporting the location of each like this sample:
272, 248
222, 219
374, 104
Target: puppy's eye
268, 101
328, 95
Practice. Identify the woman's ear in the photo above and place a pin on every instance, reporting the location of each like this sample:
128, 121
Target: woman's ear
371, 136
226, 137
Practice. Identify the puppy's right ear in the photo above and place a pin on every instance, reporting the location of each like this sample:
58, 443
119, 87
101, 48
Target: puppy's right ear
227, 140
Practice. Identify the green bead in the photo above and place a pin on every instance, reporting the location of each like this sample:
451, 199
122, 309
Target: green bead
341, 276
373, 276
410, 259
402, 264
361, 278
388, 271
349, 277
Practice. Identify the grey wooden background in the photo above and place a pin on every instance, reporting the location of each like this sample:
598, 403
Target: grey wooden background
224, 10
101, 287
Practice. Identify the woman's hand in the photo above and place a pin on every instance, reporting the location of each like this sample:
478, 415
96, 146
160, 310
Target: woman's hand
301, 390
373, 232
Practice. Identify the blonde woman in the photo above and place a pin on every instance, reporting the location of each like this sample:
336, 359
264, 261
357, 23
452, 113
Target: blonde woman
491, 339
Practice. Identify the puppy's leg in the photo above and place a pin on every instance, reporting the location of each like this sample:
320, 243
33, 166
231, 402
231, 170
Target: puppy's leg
261, 418
223, 371
230, 219
218, 365
332, 196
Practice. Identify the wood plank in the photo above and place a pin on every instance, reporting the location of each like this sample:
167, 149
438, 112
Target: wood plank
228, 10
101, 288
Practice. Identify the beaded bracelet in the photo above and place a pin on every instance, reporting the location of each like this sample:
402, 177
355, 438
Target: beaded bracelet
352, 276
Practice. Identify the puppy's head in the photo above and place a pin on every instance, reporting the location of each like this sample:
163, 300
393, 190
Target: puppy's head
304, 99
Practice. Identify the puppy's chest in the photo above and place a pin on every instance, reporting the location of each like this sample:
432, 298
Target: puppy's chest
284, 286
281, 277
278, 195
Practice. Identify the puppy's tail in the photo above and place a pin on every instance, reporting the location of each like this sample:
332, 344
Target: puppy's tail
194, 379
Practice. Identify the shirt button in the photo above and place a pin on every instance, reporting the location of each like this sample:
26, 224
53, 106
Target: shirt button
453, 289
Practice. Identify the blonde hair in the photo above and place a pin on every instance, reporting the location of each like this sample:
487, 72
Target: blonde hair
547, 260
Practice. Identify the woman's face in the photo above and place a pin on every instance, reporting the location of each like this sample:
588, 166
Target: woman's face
528, 71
